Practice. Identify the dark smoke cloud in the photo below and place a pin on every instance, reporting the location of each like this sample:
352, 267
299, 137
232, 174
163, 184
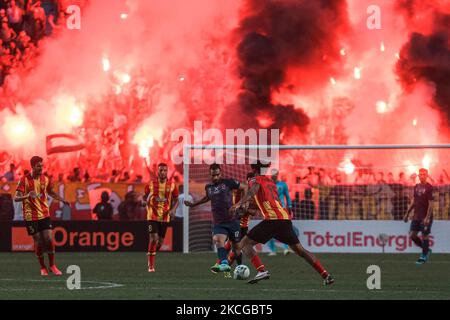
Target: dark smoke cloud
276, 36
426, 56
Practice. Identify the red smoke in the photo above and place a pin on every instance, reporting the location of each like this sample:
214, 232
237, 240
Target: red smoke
310, 68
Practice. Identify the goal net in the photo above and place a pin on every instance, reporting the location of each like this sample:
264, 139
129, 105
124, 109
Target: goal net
324, 182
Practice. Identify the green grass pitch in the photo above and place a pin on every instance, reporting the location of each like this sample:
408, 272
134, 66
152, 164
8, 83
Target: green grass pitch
187, 276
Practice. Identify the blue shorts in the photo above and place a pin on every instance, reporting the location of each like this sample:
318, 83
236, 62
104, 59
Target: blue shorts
230, 229
418, 226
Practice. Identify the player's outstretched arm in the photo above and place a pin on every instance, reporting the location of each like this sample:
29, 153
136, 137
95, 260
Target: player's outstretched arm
245, 201
55, 196
205, 199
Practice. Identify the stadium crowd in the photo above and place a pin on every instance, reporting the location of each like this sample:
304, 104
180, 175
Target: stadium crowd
24, 23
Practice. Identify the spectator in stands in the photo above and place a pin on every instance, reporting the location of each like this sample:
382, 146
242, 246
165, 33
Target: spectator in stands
400, 203
130, 208
126, 177
383, 195
12, 81
311, 178
15, 16
412, 180
139, 179
52, 13
37, 21
181, 198
307, 206
7, 34
86, 177
3, 17
390, 178
10, 176
76, 175
115, 175
324, 187
296, 205
104, 209
402, 178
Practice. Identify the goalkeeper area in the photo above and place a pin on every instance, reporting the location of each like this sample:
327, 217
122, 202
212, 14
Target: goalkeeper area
187, 276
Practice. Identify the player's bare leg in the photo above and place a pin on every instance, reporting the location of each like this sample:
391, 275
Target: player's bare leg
246, 245
39, 250
313, 261
50, 248
235, 254
415, 238
160, 243
152, 248
426, 246
423, 243
227, 247
219, 241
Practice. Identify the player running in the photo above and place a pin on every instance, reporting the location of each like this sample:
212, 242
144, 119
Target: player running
160, 197
226, 226
243, 223
33, 191
276, 224
285, 200
423, 215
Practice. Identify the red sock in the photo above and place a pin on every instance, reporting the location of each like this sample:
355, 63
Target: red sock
256, 262
318, 266
151, 255
40, 256
227, 245
51, 253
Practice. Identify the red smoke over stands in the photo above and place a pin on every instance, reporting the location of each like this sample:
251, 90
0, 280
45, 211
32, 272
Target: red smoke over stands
137, 70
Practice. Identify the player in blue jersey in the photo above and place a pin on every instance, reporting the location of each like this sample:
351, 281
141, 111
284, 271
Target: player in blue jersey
283, 193
226, 224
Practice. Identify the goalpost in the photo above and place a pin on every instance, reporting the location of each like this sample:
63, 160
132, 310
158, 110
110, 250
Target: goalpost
372, 182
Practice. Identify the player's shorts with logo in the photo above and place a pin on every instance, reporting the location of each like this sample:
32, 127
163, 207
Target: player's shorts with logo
231, 229
281, 230
37, 226
419, 226
158, 227
244, 231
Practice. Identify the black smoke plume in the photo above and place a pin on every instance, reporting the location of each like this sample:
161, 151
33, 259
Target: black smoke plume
426, 56
276, 35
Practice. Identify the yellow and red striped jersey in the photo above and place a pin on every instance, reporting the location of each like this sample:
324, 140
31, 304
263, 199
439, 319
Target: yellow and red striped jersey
160, 198
268, 200
35, 209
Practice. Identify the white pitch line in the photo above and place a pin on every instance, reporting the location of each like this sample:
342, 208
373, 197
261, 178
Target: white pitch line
102, 285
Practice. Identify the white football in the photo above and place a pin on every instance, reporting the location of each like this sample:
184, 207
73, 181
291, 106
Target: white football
242, 272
